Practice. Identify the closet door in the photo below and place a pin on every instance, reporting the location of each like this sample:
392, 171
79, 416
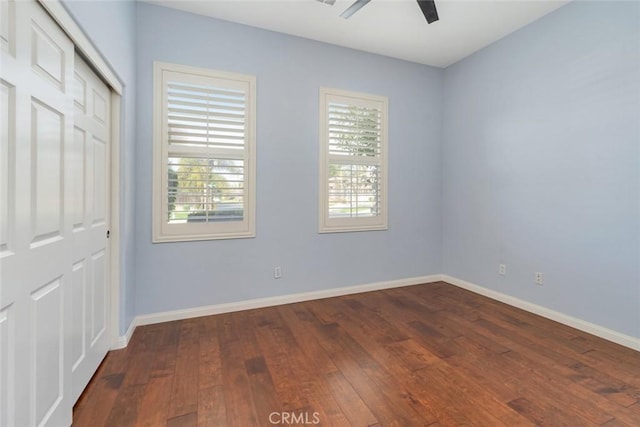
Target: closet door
36, 225
89, 169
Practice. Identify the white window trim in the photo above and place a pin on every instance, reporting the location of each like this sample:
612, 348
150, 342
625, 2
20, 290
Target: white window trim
161, 230
338, 225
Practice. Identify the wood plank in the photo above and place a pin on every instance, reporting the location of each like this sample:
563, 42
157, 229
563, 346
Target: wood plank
265, 397
184, 393
211, 407
124, 412
240, 410
154, 407
210, 363
154, 404
95, 404
310, 346
143, 346
354, 408
142, 353
186, 420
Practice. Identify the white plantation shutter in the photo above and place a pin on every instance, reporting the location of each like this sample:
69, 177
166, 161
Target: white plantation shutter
354, 131
353, 170
204, 169
205, 116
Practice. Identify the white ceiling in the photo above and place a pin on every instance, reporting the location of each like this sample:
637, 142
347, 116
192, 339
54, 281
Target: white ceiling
395, 28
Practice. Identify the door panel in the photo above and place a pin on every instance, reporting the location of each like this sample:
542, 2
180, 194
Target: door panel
47, 179
7, 366
99, 184
98, 292
47, 57
7, 26
78, 302
90, 218
7, 158
47, 350
99, 107
76, 168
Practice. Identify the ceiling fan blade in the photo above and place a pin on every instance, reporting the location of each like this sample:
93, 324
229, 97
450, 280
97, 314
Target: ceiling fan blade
429, 10
354, 8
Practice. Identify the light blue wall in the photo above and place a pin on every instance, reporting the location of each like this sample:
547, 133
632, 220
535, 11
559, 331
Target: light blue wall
537, 165
111, 27
289, 73
541, 161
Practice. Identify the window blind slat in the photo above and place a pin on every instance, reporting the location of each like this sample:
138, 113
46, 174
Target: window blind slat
354, 117
208, 89
354, 154
343, 147
204, 121
354, 160
204, 96
206, 106
354, 124
351, 128
200, 146
347, 108
210, 133
217, 115
359, 138
227, 153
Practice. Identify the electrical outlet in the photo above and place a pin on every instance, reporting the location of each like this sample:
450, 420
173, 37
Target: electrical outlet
277, 272
502, 269
539, 279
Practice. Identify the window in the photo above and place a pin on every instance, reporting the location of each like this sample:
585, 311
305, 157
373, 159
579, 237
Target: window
204, 154
353, 161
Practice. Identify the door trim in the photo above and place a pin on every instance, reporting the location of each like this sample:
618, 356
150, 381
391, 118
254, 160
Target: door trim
93, 56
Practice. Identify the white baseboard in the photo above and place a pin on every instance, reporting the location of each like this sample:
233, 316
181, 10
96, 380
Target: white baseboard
123, 340
591, 328
167, 316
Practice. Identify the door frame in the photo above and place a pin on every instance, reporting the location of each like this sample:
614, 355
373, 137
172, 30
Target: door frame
82, 43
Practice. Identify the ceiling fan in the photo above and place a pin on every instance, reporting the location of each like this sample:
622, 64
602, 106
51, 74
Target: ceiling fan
428, 8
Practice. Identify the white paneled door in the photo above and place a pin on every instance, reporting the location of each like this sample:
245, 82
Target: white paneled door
53, 219
89, 171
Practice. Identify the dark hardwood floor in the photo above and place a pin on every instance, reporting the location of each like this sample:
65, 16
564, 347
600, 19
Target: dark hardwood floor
431, 354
